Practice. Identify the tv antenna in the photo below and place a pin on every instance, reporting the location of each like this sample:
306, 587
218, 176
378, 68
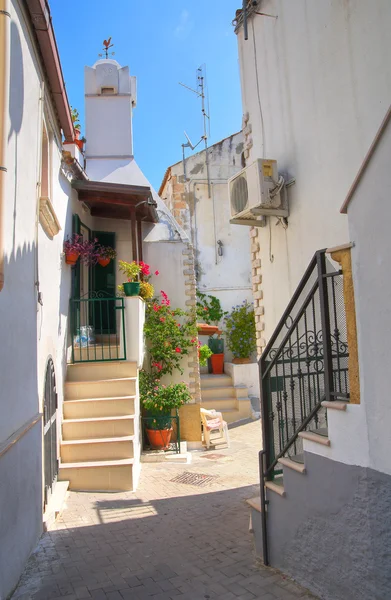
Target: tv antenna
200, 93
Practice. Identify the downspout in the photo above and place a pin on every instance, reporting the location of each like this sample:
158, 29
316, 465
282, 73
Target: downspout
5, 20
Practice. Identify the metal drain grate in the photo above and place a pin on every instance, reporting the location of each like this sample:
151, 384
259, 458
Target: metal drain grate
198, 479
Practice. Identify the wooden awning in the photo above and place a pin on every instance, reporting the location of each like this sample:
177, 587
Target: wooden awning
117, 200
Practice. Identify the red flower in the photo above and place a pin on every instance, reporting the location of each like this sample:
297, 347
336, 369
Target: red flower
145, 269
205, 308
178, 350
158, 366
178, 324
162, 319
156, 272
155, 307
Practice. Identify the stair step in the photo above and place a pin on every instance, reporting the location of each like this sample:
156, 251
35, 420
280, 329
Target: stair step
97, 427
291, 464
209, 381
87, 450
101, 370
219, 403
217, 392
315, 437
336, 404
99, 476
99, 407
255, 503
276, 486
100, 388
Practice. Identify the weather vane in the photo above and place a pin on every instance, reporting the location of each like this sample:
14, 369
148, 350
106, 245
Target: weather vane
107, 45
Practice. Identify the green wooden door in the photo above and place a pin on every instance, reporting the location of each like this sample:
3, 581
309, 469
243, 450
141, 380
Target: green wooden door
103, 286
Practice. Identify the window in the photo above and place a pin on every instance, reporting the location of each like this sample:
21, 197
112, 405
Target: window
47, 215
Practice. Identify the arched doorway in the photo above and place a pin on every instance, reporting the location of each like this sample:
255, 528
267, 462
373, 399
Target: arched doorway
50, 431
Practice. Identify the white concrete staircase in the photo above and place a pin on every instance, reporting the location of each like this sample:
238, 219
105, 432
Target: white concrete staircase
100, 447
219, 393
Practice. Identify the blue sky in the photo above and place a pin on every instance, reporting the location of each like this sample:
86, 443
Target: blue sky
163, 43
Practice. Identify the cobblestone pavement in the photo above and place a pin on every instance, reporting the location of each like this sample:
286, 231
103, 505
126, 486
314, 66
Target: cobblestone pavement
169, 540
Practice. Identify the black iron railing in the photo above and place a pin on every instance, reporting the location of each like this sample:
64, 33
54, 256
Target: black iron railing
304, 363
97, 324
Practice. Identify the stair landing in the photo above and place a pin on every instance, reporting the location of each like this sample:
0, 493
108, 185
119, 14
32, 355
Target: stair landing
218, 393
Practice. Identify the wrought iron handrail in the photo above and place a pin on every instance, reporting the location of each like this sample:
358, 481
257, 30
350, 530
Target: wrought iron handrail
304, 361
97, 333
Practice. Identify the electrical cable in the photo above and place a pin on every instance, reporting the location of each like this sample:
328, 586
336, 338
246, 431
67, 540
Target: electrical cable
258, 91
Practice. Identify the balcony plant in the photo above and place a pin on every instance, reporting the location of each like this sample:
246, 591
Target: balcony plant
76, 127
132, 272
241, 332
158, 401
72, 249
106, 254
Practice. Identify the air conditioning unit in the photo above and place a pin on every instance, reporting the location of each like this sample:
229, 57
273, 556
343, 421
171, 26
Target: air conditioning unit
255, 191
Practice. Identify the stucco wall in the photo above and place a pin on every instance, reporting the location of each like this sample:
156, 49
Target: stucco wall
323, 85
332, 530
368, 214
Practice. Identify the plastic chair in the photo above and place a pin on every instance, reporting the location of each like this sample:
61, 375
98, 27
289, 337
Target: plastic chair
213, 421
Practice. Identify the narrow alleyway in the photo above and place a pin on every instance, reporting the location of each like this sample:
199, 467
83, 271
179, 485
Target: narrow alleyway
168, 540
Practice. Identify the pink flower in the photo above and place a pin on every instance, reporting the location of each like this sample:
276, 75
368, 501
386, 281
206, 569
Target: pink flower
155, 307
178, 350
178, 324
162, 319
157, 273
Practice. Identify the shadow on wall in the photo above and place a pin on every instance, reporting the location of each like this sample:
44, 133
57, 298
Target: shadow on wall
21, 465
16, 104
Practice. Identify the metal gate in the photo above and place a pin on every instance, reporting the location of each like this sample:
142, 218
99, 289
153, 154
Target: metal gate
50, 431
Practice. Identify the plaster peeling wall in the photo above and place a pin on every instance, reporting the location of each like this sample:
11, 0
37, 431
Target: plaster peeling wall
318, 136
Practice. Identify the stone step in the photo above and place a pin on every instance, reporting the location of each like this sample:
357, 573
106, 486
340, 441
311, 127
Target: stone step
291, 464
276, 486
218, 392
315, 437
99, 476
229, 403
210, 381
55, 504
232, 415
100, 388
98, 427
88, 408
101, 370
87, 450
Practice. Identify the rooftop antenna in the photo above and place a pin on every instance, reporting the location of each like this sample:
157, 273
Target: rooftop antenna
107, 45
200, 92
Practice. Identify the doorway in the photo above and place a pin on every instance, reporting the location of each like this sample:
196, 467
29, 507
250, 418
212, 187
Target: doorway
50, 431
102, 282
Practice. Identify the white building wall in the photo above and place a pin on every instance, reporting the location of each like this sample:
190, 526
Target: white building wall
316, 92
206, 220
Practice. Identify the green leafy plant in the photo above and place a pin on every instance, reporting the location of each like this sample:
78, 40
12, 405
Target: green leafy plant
170, 333
204, 352
75, 118
159, 400
240, 330
147, 290
209, 309
130, 270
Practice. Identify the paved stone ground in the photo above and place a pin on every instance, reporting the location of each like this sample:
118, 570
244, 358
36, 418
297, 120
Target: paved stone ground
169, 540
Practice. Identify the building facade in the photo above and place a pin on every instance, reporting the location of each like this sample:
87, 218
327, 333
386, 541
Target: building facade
325, 460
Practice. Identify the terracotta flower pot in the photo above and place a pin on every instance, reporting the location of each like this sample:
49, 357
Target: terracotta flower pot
71, 258
217, 361
103, 261
159, 438
241, 361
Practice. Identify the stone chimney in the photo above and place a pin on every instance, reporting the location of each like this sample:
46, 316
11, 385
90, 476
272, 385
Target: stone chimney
110, 96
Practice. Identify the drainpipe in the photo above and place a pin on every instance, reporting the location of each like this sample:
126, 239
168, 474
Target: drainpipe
5, 19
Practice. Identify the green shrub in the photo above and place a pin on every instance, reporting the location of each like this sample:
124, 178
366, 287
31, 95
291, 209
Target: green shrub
240, 330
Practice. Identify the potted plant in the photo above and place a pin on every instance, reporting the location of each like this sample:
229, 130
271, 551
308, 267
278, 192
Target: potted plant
73, 247
204, 352
158, 402
241, 332
106, 254
132, 272
76, 128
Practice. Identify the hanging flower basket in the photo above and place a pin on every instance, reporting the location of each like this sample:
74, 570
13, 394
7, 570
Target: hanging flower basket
103, 262
71, 258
